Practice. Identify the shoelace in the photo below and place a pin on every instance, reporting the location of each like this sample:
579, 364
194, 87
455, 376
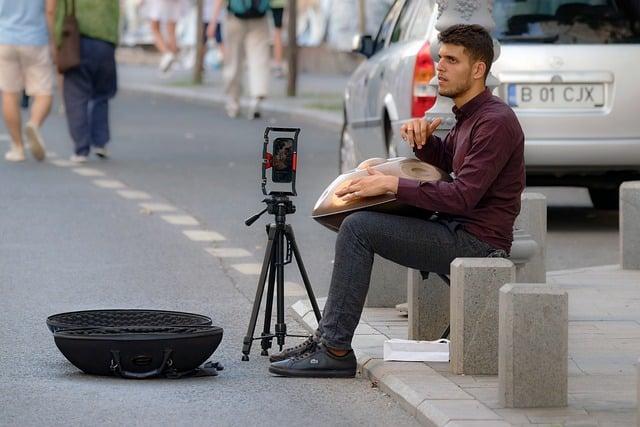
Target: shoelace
313, 346
304, 344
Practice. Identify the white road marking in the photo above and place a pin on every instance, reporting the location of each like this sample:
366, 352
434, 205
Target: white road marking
62, 163
109, 183
180, 219
88, 172
156, 207
228, 252
134, 194
203, 236
249, 269
4, 137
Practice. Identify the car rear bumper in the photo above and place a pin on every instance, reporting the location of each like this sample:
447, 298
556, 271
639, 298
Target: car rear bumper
582, 154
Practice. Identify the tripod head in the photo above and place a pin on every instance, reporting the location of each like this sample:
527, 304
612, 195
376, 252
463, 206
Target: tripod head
278, 204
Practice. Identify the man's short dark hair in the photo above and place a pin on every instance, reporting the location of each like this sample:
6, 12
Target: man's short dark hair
474, 38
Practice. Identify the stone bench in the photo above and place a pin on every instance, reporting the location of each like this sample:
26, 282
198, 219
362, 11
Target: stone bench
533, 346
630, 225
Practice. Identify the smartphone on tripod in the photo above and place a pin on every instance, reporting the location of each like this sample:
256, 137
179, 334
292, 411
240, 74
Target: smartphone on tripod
282, 159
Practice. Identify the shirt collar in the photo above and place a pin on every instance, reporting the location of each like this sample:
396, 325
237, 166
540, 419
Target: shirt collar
472, 105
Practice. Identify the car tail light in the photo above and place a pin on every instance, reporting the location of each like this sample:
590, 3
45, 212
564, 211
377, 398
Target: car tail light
424, 96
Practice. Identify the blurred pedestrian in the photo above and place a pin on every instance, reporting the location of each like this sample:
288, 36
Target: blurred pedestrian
213, 36
246, 36
25, 63
89, 86
165, 13
277, 12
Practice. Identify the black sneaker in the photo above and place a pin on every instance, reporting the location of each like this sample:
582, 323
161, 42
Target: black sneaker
295, 351
317, 363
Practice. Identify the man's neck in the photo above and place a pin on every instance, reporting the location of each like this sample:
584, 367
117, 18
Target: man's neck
467, 96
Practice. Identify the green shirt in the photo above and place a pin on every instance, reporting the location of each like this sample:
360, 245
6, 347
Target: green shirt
277, 4
98, 19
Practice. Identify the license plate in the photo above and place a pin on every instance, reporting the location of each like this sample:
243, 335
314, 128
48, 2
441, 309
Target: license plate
556, 95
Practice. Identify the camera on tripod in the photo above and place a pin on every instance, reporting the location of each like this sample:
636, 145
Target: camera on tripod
282, 160
281, 248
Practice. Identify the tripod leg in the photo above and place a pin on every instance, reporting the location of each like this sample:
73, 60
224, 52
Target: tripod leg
303, 272
266, 342
268, 254
281, 327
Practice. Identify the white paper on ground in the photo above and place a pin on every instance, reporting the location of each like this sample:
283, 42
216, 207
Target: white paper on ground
416, 351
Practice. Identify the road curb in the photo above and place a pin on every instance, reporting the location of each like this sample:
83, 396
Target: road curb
433, 399
327, 119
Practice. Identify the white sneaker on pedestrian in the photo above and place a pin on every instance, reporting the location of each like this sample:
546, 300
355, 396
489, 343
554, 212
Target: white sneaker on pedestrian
14, 155
233, 109
101, 152
165, 61
78, 158
36, 144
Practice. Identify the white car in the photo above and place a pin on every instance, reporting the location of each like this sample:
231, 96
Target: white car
569, 69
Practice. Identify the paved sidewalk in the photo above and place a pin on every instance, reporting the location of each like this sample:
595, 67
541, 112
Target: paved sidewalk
604, 346
319, 96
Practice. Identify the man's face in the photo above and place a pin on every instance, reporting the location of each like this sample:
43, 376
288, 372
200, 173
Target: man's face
455, 68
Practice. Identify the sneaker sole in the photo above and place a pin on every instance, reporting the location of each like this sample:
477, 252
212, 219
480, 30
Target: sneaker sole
35, 142
313, 374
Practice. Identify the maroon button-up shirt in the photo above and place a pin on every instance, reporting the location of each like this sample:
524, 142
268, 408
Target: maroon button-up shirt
484, 152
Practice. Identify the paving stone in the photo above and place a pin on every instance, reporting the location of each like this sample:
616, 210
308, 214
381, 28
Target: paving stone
630, 225
533, 346
478, 424
475, 283
441, 412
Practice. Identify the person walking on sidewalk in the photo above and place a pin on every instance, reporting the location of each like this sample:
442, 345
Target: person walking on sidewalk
25, 63
484, 152
167, 13
89, 86
246, 35
277, 12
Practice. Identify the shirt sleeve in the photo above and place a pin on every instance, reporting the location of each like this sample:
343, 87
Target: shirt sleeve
491, 147
436, 152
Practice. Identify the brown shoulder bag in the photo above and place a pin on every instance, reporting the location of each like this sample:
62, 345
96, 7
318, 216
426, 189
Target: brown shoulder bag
69, 50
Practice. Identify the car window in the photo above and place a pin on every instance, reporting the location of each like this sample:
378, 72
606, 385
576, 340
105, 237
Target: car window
404, 20
420, 24
567, 21
387, 25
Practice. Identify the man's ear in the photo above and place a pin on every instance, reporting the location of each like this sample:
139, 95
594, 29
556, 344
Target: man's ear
479, 68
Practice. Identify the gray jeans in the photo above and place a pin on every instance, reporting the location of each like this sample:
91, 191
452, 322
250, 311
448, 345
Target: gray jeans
425, 245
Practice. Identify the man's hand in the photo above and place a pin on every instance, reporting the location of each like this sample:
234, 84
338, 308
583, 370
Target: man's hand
375, 184
417, 131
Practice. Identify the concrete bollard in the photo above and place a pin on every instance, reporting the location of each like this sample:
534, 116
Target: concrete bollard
532, 220
428, 306
475, 285
630, 225
388, 285
534, 335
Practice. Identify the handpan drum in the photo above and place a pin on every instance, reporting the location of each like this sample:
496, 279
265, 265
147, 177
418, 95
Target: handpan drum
330, 210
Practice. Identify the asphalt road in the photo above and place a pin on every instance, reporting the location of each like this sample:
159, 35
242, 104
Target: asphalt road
68, 244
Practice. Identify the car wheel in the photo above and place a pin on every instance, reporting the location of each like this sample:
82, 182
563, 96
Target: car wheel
347, 150
604, 198
392, 150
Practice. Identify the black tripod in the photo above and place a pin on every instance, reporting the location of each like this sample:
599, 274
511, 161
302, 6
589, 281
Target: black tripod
274, 262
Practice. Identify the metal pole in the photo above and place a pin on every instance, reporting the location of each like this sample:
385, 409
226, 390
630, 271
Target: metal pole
292, 51
362, 17
197, 68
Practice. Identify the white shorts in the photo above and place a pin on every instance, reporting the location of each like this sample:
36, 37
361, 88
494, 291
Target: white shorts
26, 67
165, 10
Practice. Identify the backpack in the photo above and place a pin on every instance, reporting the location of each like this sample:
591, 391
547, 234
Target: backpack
249, 8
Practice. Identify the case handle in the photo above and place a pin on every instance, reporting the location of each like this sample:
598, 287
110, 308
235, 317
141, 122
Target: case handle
116, 366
